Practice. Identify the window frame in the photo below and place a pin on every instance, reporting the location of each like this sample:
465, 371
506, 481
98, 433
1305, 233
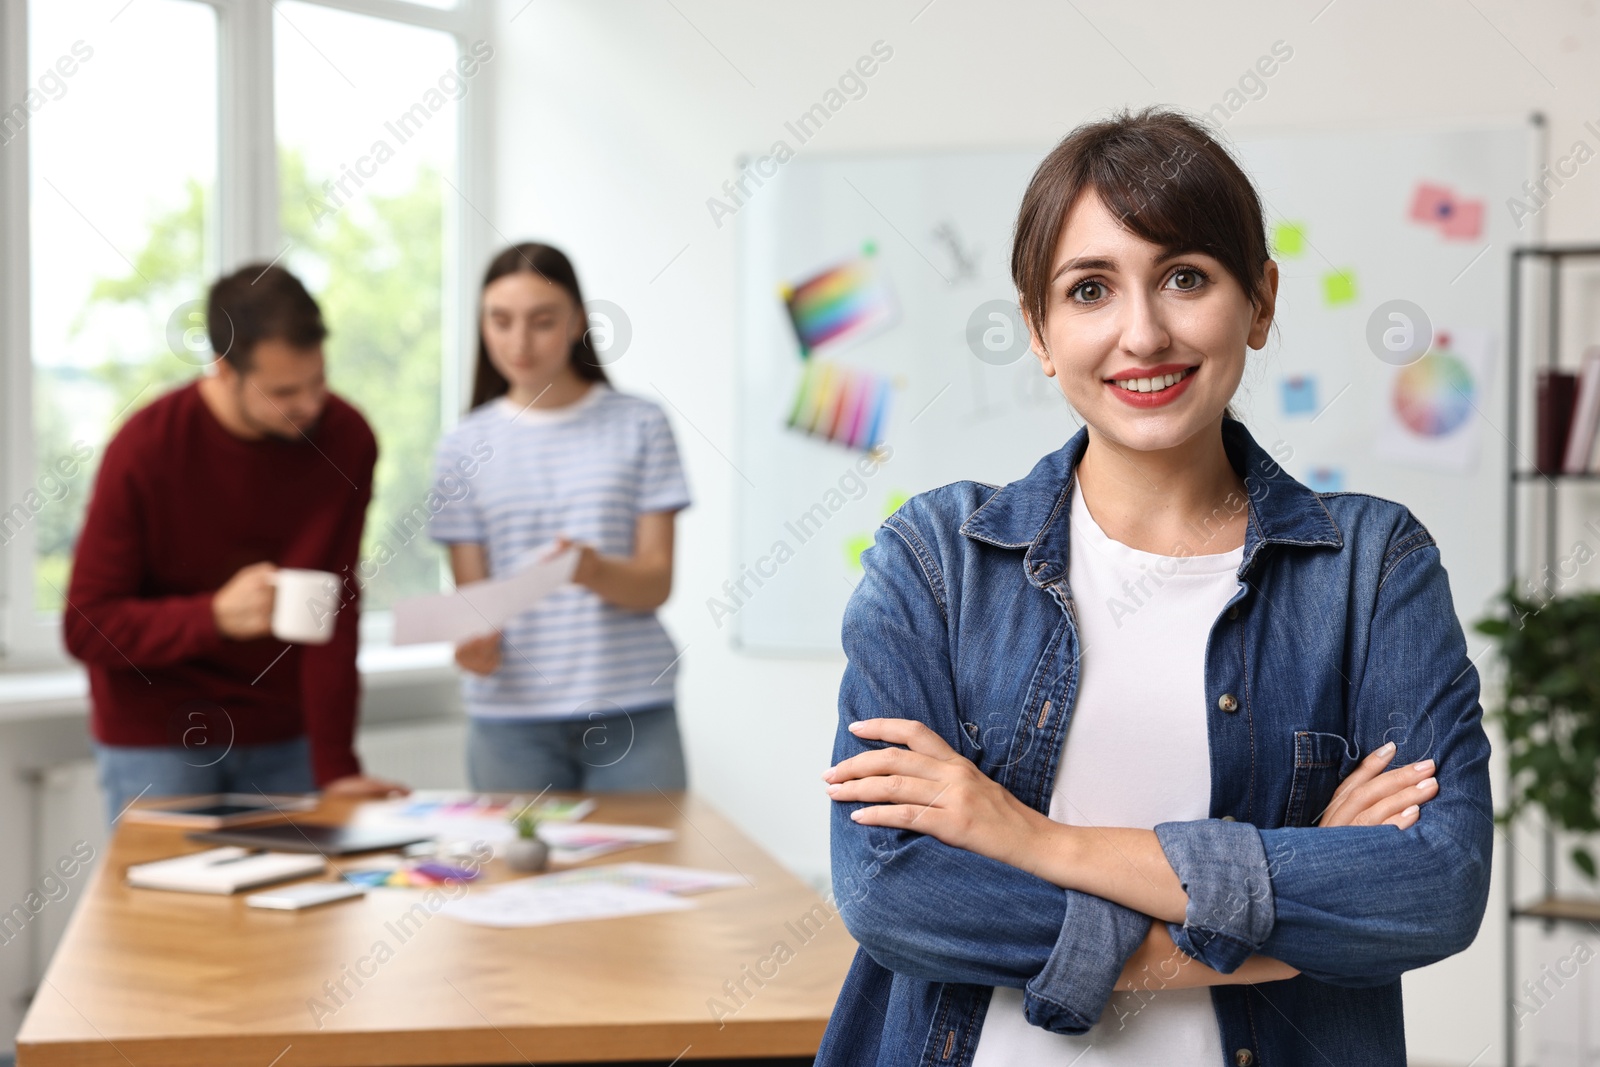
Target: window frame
245, 228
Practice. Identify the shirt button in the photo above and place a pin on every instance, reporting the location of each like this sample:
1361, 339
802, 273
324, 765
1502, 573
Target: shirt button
1233, 612
1244, 1057
1228, 702
1227, 818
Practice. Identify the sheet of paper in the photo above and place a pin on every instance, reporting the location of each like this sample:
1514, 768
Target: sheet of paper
529, 903
572, 842
657, 877
480, 607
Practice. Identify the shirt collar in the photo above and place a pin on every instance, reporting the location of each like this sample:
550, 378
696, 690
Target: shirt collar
1031, 513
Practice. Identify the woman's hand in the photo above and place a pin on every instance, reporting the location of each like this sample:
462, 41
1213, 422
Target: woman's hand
480, 655
933, 789
1371, 796
588, 560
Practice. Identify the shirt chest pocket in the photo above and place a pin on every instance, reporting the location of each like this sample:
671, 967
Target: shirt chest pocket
1321, 762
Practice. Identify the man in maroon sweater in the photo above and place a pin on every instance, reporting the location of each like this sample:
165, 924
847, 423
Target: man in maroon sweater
201, 496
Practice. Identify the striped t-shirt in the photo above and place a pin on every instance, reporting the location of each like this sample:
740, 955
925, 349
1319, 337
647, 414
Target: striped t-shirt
586, 471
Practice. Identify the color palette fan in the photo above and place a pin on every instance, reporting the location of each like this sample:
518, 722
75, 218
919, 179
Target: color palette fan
846, 406
846, 302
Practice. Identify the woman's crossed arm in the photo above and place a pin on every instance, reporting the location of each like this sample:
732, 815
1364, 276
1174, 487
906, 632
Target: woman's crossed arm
928, 787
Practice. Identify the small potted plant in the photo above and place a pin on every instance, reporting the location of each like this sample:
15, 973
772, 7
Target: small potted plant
527, 851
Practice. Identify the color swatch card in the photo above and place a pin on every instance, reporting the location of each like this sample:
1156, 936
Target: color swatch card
843, 405
466, 817
393, 873
844, 303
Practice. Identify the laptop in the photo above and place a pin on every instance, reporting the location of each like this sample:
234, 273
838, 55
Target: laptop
306, 837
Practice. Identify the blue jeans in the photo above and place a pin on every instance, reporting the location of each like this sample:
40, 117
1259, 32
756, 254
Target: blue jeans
129, 771
632, 751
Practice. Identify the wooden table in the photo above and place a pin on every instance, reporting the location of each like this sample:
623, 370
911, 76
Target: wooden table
148, 977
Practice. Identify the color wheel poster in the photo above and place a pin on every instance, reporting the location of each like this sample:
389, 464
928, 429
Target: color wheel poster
1431, 411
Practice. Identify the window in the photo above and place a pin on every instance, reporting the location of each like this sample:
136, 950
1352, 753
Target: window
130, 141
116, 250
366, 136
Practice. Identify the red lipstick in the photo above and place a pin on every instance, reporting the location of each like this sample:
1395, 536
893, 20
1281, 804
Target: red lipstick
1155, 398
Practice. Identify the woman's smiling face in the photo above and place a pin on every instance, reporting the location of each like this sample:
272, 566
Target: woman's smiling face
1173, 324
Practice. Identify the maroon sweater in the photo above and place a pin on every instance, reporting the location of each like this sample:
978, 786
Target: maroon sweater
179, 505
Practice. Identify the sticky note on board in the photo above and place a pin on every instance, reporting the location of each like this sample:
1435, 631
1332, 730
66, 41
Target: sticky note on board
1430, 202
1456, 217
1338, 287
1465, 221
1325, 480
854, 546
1299, 395
1289, 239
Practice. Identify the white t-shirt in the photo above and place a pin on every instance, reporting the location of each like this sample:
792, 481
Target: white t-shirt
1136, 754
586, 471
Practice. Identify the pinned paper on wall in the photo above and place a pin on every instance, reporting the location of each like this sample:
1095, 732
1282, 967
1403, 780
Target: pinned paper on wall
1455, 217
1325, 480
1430, 414
1289, 239
1339, 287
1299, 395
847, 302
844, 405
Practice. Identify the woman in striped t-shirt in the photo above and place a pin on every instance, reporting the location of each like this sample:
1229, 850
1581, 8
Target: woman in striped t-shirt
576, 693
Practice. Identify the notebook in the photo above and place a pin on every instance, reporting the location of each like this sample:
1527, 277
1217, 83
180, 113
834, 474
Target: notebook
223, 870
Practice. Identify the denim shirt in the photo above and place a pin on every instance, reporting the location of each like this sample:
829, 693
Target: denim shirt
1341, 636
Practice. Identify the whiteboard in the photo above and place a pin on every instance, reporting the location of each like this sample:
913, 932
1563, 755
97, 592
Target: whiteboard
939, 225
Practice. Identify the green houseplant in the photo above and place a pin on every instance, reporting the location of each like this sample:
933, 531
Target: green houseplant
1550, 708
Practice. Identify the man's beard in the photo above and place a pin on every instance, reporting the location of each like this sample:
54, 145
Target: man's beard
294, 434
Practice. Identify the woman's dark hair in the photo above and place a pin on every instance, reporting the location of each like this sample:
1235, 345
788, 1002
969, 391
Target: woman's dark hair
260, 302
553, 266
1166, 179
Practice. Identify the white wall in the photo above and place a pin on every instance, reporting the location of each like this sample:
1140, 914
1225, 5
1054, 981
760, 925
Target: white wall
617, 119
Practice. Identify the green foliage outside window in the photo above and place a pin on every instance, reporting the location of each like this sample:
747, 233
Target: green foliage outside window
376, 268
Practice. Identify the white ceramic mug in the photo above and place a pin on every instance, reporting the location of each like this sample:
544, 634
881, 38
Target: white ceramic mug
304, 605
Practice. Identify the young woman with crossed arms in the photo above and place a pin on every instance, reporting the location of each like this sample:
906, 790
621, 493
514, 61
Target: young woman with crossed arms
1106, 805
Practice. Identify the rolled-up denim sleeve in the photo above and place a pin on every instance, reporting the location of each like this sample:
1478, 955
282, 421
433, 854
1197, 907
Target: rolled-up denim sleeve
920, 907
1360, 905
1223, 867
